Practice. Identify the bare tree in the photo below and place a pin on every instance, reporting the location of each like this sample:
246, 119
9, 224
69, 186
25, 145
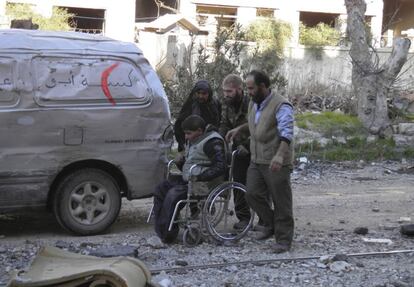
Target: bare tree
371, 82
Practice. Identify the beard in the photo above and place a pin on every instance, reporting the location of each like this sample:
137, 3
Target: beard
258, 97
236, 100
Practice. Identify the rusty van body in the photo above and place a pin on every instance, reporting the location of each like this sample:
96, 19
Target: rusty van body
84, 121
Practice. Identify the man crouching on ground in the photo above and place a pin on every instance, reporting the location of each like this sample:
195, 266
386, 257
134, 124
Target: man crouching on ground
205, 147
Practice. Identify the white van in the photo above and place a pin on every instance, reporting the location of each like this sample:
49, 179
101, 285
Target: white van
84, 121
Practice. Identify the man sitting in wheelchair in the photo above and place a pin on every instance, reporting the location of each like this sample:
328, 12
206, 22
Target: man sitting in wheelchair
206, 149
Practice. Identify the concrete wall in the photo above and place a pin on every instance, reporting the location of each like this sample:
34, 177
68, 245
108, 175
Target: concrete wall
325, 70
119, 19
330, 70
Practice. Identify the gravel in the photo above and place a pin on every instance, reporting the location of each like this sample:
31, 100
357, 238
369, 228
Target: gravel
331, 203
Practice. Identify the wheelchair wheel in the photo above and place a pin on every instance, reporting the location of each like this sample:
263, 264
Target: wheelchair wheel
219, 215
191, 236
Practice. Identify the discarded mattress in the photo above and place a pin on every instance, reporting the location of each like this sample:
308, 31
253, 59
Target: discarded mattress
55, 267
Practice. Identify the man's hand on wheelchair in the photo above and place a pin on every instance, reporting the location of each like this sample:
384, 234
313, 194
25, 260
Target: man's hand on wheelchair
231, 134
179, 159
193, 177
242, 151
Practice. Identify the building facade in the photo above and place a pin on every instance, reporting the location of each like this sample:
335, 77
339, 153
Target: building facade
310, 13
115, 19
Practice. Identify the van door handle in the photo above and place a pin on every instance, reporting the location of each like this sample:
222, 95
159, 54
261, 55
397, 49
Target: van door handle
73, 136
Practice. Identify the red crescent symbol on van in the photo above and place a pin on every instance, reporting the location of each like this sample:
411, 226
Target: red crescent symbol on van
104, 83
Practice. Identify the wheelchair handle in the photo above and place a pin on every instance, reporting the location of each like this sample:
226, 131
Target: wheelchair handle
191, 170
233, 156
169, 167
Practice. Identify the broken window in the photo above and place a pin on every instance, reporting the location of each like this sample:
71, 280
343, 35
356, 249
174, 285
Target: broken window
223, 16
146, 11
311, 19
265, 12
88, 20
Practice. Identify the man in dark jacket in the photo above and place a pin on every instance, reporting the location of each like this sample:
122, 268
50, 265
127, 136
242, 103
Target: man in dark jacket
200, 102
234, 114
205, 148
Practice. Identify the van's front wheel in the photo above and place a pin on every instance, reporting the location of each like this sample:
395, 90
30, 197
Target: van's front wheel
87, 201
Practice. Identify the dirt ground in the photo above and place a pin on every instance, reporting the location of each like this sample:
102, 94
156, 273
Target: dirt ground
330, 201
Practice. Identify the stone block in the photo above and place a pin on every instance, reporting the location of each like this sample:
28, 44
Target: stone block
403, 140
406, 129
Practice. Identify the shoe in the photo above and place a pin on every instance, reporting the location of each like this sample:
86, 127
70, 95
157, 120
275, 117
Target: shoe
265, 234
242, 224
259, 227
281, 248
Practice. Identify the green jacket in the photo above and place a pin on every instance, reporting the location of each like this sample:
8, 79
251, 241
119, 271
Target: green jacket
232, 118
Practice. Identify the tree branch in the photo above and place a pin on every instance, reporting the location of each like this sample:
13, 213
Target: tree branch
398, 57
161, 4
356, 32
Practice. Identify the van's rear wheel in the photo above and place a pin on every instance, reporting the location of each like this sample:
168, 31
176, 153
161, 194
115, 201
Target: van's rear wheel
87, 201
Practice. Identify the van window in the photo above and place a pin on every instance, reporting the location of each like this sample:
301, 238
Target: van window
8, 95
89, 81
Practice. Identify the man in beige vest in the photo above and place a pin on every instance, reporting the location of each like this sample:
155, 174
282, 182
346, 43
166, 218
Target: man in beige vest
270, 123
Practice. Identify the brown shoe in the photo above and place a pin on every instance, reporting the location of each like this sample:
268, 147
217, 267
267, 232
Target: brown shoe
241, 225
258, 227
281, 247
265, 234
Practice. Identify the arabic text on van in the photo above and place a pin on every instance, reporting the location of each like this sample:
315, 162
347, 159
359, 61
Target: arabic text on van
73, 80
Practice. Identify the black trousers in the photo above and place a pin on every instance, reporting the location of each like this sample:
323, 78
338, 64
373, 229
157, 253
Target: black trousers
240, 166
166, 196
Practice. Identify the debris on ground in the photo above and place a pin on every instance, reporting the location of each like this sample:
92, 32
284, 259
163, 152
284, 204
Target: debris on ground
55, 267
407, 229
324, 194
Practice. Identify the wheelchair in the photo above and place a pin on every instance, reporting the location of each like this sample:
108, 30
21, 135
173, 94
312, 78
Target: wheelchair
216, 210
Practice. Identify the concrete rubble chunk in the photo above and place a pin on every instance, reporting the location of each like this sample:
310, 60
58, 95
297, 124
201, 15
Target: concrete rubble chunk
340, 266
62, 244
403, 140
378, 240
361, 230
340, 257
166, 283
163, 280
232, 268
113, 251
406, 129
404, 219
407, 229
325, 259
321, 265
181, 262
155, 242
